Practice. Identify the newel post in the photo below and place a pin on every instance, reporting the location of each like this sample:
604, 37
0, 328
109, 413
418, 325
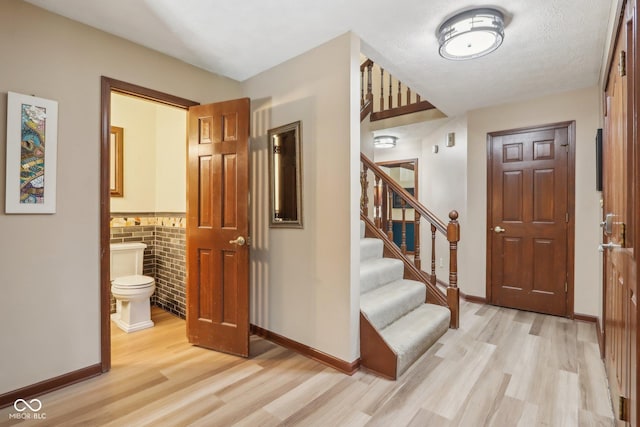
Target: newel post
453, 293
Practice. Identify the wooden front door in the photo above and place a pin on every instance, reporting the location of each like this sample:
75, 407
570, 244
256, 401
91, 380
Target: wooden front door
529, 200
620, 262
218, 227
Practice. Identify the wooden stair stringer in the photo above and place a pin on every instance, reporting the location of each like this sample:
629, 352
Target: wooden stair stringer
375, 354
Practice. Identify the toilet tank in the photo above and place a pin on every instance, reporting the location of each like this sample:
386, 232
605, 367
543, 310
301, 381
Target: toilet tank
127, 259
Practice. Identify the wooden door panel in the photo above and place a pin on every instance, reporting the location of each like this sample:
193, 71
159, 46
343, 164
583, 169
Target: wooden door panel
512, 187
543, 205
528, 196
229, 191
217, 259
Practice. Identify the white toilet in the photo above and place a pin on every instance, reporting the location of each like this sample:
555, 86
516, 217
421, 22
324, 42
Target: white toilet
130, 288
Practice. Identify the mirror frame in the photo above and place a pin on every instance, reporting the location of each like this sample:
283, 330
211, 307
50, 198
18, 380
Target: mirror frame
116, 160
274, 222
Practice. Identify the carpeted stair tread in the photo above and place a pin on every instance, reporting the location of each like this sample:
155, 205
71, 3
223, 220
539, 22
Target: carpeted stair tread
370, 249
411, 335
392, 301
378, 272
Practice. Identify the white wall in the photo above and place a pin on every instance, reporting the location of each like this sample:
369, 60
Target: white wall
154, 155
305, 281
583, 107
50, 264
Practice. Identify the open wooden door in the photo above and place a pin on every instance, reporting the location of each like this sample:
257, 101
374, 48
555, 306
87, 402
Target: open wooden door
620, 178
218, 226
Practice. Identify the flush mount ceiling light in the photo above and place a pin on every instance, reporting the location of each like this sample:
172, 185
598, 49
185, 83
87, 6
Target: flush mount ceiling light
385, 141
471, 34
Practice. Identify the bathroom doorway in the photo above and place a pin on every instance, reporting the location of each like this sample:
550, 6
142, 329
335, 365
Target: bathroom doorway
217, 173
143, 199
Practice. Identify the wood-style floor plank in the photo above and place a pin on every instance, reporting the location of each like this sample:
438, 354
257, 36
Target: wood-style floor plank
502, 367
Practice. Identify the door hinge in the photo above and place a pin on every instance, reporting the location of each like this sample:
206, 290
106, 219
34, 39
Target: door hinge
622, 64
623, 408
566, 287
566, 217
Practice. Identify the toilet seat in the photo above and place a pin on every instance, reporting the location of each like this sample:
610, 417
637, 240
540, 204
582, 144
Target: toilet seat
132, 282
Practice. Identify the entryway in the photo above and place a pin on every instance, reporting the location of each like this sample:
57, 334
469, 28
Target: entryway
217, 178
530, 225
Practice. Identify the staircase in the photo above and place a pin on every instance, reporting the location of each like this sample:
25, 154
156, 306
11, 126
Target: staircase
395, 310
403, 310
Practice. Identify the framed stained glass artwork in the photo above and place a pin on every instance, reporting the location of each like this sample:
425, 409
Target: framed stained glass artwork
32, 138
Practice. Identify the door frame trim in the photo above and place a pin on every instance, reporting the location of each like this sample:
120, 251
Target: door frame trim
109, 85
571, 196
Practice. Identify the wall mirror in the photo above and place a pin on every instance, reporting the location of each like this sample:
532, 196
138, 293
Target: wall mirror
285, 176
116, 162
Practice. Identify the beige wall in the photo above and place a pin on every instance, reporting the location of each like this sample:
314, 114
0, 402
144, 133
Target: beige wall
49, 264
154, 155
581, 106
305, 281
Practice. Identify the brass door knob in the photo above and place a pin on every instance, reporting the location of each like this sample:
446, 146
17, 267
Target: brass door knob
499, 229
240, 241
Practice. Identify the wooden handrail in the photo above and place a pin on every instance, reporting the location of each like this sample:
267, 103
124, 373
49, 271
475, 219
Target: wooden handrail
404, 195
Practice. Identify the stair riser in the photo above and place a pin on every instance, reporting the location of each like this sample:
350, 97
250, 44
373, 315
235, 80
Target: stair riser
380, 275
385, 305
371, 249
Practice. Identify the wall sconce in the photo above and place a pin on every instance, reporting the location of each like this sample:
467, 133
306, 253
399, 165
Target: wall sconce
451, 139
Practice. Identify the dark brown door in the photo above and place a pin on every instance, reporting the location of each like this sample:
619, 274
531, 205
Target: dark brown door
619, 178
529, 218
218, 226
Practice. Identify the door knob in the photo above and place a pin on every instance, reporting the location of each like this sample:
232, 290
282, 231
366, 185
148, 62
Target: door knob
240, 241
604, 246
499, 229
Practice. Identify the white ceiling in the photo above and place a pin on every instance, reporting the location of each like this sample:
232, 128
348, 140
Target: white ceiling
550, 45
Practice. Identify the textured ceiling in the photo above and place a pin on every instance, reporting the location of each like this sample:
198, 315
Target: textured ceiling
550, 45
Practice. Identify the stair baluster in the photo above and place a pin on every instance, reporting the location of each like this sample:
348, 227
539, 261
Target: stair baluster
377, 203
390, 93
382, 89
364, 197
399, 94
403, 240
362, 87
433, 253
390, 215
416, 241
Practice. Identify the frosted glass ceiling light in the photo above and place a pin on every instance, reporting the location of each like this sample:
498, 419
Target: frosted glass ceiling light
385, 141
471, 34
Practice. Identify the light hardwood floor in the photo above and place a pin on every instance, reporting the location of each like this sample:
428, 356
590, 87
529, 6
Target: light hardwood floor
501, 368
